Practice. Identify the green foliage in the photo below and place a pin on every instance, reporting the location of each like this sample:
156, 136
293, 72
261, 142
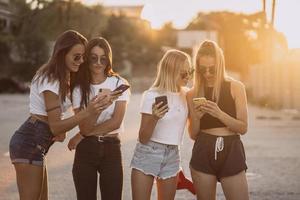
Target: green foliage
40, 22
131, 40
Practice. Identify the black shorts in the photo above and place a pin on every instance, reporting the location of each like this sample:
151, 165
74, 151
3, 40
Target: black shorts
228, 161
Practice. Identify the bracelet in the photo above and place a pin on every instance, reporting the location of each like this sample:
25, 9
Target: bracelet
51, 109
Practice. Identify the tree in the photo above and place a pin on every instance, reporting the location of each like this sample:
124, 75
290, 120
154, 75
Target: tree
241, 36
132, 40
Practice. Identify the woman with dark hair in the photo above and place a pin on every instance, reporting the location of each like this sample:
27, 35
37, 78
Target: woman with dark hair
49, 99
98, 149
217, 117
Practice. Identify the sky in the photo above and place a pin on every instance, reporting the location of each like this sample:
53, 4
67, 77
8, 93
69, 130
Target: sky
180, 12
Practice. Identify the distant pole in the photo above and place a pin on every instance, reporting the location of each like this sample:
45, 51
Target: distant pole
273, 12
264, 11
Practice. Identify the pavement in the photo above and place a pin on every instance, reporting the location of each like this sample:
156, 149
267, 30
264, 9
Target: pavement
272, 148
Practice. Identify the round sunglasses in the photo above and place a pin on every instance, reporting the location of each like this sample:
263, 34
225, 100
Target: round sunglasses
204, 69
103, 60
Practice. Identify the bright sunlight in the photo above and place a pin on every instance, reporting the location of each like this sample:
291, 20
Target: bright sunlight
181, 12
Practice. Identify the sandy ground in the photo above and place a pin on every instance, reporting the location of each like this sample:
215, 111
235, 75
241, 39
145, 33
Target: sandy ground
272, 147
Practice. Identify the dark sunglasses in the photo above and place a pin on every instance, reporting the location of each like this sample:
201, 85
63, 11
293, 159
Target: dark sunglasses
186, 74
77, 58
203, 69
103, 60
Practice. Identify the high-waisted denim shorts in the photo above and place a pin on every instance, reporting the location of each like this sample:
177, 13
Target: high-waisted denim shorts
31, 142
156, 159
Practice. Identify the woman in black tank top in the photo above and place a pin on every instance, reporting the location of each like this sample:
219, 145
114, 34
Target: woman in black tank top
216, 123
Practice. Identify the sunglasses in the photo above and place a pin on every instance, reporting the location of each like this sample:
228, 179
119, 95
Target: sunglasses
203, 70
187, 74
77, 58
103, 60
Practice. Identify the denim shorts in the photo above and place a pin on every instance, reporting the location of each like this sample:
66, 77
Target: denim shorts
31, 142
156, 159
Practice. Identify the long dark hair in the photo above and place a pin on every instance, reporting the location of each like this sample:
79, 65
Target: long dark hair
83, 78
55, 68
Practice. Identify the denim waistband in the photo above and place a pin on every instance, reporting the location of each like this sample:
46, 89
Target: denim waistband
161, 145
35, 128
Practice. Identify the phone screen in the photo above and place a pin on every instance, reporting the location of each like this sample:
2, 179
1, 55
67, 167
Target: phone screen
161, 99
122, 88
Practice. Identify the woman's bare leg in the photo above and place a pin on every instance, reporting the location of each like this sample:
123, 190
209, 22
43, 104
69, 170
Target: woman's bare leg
29, 180
44, 190
235, 187
166, 188
141, 185
205, 185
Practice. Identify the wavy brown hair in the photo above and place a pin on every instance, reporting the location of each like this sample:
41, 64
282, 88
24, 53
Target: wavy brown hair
55, 69
83, 78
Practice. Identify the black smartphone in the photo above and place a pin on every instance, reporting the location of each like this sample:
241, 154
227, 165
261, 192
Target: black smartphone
122, 88
161, 99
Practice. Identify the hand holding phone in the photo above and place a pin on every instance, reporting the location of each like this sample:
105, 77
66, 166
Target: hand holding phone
162, 99
103, 92
199, 101
159, 111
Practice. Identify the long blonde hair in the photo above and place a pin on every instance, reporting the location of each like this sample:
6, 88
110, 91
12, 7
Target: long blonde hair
168, 70
210, 48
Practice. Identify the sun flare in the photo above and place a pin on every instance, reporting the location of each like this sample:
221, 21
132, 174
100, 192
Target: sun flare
181, 12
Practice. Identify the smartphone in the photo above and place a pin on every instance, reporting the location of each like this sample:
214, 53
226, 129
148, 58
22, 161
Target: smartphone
199, 100
103, 91
122, 88
161, 99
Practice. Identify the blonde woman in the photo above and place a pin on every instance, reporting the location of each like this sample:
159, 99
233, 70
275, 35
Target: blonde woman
216, 125
156, 155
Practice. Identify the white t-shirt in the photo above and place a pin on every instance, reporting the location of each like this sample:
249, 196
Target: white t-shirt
36, 97
170, 128
110, 83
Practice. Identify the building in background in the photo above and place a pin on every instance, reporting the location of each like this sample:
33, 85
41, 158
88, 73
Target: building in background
190, 40
277, 84
6, 17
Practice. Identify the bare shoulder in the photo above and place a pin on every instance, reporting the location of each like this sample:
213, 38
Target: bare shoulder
237, 85
237, 88
190, 94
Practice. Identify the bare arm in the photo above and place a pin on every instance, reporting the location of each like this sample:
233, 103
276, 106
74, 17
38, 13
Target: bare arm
148, 122
240, 124
194, 116
107, 126
59, 126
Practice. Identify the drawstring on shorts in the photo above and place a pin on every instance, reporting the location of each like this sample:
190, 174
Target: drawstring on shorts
219, 146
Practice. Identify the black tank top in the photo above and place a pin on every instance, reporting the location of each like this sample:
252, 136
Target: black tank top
226, 104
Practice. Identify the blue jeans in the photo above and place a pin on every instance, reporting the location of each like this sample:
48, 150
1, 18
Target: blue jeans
31, 142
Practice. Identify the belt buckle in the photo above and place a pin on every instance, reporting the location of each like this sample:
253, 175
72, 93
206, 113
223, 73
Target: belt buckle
100, 138
32, 120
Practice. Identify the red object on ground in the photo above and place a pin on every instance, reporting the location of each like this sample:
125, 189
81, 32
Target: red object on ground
184, 183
